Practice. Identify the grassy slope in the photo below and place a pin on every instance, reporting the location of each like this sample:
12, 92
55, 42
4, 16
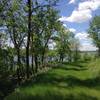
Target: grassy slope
67, 82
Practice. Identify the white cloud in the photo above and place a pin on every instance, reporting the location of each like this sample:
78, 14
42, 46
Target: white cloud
84, 11
82, 36
71, 1
72, 30
88, 47
63, 19
91, 4
79, 16
85, 42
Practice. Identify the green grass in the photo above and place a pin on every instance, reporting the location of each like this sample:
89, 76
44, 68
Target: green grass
79, 81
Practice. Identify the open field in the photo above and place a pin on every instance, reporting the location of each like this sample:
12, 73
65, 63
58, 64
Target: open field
79, 81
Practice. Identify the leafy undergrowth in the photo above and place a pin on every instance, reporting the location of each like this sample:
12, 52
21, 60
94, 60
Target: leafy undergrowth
79, 81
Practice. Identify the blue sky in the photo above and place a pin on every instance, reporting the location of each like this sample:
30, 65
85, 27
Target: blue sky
76, 15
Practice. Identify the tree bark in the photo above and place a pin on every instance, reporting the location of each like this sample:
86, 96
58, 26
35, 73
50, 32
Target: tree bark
61, 58
32, 55
42, 58
18, 63
28, 38
99, 51
32, 63
36, 63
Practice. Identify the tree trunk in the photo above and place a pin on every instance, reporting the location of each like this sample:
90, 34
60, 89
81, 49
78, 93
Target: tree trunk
61, 58
19, 65
44, 50
42, 59
18, 54
28, 38
99, 51
32, 63
36, 63
32, 59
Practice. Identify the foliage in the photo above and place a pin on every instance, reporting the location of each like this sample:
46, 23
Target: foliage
26, 29
66, 45
94, 32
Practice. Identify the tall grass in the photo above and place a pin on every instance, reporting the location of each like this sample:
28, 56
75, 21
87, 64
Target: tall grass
79, 81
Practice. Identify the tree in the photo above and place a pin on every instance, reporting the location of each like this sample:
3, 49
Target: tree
16, 29
44, 24
29, 5
94, 32
41, 11
75, 48
64, 43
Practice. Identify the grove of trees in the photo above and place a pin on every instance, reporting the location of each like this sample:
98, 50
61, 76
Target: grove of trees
26, 29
